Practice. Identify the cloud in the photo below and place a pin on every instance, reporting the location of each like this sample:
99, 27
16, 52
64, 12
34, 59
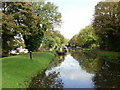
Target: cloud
76, 14
75, 20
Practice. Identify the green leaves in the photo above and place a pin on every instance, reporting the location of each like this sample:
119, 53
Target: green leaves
85, 38
16, 19
106, 25
53, 39
29, 19
47, 15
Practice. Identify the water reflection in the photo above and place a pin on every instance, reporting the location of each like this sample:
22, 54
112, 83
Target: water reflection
68, 74
88, 61
50, 81
61, 57
107, 74
72, 74
79, 70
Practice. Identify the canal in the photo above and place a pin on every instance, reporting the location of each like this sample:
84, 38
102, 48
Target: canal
79, 69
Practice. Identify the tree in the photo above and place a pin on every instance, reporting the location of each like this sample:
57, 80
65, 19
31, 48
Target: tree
85, 38
29, 19
15, 21
7, 34
74, 41
53, 38
106, 25
49, 17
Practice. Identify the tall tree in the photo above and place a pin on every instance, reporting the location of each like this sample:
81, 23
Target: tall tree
7, 34
18, 18
107, 25
29, 19
49, 17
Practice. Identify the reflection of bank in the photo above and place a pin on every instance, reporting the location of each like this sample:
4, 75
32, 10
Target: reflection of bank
106, 73
48, 80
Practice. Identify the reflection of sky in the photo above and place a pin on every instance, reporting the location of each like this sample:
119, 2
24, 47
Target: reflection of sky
72, 74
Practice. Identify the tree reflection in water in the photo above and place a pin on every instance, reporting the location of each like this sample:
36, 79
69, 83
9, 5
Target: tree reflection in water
50, 81
107, 74
88, 61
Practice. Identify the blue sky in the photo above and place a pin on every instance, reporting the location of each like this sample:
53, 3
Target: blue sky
76, 14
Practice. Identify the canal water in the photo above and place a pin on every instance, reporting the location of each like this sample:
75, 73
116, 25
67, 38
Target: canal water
79, 70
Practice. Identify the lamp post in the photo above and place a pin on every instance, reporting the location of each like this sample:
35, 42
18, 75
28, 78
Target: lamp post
30, 54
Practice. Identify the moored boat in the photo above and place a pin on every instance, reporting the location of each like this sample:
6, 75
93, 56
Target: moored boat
62, 51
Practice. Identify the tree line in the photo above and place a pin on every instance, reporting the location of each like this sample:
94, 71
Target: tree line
86, 38
104, 32
53, 39
26, 23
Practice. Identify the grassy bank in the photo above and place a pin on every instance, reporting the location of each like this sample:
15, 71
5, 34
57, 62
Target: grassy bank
18, 70
113, 57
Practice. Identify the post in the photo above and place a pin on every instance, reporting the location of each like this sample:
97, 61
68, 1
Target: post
30, 54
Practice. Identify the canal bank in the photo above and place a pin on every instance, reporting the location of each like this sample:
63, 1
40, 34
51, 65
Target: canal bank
17, 71
80, 69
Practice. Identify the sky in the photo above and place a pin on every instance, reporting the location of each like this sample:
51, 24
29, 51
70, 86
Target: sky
76, 15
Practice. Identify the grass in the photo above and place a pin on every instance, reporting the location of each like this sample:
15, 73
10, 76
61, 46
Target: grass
110, 56
18, 70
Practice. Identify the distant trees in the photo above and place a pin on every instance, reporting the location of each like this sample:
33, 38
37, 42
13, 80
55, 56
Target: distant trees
105, 29
30, 20
85, 38
106, 24
53, 38
74, 41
